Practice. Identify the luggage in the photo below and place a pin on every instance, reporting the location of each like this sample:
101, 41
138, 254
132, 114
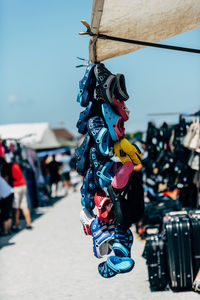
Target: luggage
195, 238
155, 254
155, 211
179, 251
153, 229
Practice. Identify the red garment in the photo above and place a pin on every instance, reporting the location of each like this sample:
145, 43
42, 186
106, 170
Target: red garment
12, 148
18, 177
2, 150
169, 193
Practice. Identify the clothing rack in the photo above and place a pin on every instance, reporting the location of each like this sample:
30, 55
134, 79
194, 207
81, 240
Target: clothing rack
195, 115
185, 115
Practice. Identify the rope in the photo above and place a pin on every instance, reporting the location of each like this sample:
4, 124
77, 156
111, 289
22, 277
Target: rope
112, 38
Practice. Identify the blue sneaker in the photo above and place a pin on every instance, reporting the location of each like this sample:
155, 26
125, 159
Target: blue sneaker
123, 242
86, 218
111, 228
87, 199
100, 134
93, 109
97, 161
82, 156
114, 122
87, 86
105, 271
120, 88
107, 82
88, 180
115, 265
88, 190
101, 238
104, 174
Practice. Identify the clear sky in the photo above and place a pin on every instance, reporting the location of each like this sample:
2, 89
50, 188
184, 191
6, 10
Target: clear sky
39, 82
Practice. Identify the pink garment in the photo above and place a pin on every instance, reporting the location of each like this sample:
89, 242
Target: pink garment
122, 176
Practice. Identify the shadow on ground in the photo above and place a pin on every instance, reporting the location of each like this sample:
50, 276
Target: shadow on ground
5, 240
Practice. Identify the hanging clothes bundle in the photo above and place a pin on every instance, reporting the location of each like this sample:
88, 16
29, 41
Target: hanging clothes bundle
192, 142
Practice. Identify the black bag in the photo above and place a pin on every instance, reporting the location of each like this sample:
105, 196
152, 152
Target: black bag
155, 254
154, 212
188, 196
179, 252
128, 202
195, 238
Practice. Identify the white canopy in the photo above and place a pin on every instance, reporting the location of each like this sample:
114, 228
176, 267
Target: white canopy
33, 135
142, 20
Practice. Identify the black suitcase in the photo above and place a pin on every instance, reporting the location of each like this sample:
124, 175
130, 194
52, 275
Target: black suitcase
179, 253
195, 238
155, 254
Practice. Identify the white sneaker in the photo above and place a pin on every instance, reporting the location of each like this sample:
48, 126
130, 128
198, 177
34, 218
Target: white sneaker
86, 218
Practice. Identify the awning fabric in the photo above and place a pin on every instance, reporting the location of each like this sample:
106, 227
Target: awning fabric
142, 20
32, 135
52, 151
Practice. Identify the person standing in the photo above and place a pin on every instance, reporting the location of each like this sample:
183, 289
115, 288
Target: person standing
75, 178
65, 160
44, 169
54, 168
2, 149
14, 176
6, 200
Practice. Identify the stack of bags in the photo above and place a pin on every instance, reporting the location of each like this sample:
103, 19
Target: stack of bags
106, 189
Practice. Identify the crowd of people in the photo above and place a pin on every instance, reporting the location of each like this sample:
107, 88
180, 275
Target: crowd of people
58, 169
13, 195
21, 180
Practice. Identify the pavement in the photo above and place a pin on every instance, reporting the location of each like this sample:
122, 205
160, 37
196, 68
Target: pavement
55, 261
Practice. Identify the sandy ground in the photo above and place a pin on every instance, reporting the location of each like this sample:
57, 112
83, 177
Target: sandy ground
55, 261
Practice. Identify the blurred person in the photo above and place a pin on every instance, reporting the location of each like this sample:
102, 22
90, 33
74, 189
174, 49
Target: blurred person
54, 172
2, 148
13, 174
6, 201
44, 168
75, 179
46, 174
65, 160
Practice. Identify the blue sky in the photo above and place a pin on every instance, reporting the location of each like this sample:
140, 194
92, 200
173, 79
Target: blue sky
39, 82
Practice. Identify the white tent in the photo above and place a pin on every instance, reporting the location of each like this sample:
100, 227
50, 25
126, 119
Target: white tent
142, 20
33, 135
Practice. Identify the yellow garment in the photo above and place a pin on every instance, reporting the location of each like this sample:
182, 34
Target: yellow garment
127, 152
